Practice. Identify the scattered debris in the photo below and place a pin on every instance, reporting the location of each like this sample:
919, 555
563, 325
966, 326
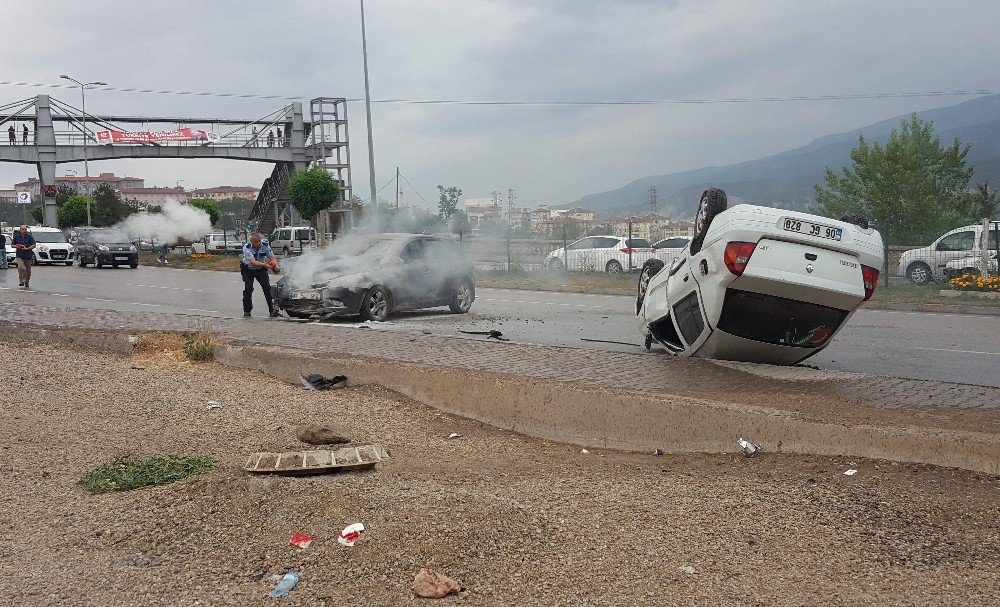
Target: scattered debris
687, 569
350, 534
316, 462
315, 381
657, 452
213, 404
138, 367
850, 472
317, 434
491, 334
256, 576
433, 585
301, 540
749, 449
609, 341
454, 435
287, 583
584, 451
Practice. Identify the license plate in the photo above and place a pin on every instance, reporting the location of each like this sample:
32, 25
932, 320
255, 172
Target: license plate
122, 257
305, 295
813, 229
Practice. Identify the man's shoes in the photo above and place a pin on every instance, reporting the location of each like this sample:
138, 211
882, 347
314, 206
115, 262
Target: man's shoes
246, 315
20, 284
274, 314
26, 286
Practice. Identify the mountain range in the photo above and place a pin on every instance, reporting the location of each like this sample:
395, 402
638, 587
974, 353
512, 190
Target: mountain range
786, 180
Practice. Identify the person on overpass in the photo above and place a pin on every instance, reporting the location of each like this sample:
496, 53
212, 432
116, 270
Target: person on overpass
253, 138
258, 258
270, 139
24, 242
11, 136
24, 134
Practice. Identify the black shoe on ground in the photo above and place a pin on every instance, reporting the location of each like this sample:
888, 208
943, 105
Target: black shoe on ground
246, 315
20, 284
274, 314
27, 286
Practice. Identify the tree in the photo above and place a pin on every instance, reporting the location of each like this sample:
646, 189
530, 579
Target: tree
108, 208
911, 188
448, 201
313, 190
209, 206
63, 194
37, 213
73, 212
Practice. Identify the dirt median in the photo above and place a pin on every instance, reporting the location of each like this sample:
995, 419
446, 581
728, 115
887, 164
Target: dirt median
515, 520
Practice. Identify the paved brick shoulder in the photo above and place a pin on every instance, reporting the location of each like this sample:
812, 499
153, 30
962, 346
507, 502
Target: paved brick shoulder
640, 371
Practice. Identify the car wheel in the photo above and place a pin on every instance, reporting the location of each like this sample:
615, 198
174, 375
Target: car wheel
133, 265
613, 267
462, 299
284, 251
375, 304
919, 273
555, 265
649, 270
713, 201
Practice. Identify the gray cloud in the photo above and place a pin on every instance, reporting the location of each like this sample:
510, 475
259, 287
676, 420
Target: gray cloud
511, 50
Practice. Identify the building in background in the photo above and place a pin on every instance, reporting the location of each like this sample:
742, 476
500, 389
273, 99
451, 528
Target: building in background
652, 227
153, 197
482, 210
78, 183
225, 192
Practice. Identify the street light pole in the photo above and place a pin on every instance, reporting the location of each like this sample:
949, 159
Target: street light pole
83, 108
368, 107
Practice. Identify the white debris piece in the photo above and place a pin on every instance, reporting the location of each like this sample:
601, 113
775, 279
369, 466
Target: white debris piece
454, 435
749, 449
850, 472
213, 404
687, 569
584, 451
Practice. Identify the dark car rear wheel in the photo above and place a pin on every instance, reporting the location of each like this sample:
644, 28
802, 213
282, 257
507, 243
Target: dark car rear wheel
713, 201
375, 304
461, 300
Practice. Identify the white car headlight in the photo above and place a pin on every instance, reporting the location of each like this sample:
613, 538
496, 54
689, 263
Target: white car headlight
43, 249
103, 247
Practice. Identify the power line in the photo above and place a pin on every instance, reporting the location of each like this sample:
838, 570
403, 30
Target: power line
488, 102
413, 188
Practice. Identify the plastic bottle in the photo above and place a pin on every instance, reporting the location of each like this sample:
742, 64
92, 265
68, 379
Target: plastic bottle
287, 583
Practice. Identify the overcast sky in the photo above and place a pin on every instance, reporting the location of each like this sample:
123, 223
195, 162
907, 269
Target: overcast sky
514, 50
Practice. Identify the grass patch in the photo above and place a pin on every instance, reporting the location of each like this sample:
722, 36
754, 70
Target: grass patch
909, 293
224, 262
130, 472
198, 346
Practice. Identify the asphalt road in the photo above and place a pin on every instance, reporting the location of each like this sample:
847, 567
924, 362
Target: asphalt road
949, 347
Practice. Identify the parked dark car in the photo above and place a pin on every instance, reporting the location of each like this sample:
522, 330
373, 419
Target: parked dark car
106, 247
373, 275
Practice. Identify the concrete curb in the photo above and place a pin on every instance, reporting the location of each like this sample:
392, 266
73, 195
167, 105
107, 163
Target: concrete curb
934, 308
627, 420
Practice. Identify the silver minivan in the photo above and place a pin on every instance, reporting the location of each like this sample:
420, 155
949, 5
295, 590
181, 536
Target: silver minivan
925, 264
292, 240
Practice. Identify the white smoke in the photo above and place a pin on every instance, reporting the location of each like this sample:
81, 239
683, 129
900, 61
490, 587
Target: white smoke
175, 220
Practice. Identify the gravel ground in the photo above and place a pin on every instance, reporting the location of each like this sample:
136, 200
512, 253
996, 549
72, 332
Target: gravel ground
515, 520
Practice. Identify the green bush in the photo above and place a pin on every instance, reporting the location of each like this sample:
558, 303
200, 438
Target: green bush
130, 472
199, 347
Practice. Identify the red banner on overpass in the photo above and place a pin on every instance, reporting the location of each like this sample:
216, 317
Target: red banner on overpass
185, 134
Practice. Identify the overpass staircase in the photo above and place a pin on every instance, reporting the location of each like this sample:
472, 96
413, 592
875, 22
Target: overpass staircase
269, 209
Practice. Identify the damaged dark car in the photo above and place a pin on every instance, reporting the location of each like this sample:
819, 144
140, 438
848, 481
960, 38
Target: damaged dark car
374, 275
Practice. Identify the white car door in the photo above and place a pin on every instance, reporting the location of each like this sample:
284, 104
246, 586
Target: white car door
958, 244
576, 253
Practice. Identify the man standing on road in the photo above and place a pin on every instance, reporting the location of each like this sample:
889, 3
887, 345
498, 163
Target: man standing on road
3, 251
258, 258
25, 245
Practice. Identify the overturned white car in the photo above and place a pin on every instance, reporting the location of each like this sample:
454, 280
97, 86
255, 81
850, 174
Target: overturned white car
758, 284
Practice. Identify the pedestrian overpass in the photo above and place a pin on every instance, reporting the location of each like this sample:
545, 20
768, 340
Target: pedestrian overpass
60, 133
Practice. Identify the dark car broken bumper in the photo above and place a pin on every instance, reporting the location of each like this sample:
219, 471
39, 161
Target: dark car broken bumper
336, 301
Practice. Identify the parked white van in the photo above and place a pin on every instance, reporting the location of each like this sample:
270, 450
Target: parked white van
923, 265
292, 240
52, 246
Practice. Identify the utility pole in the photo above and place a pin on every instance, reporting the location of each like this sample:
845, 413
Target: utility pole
652, 197
397, 188
83, 110
368, 107
510, 205
496, 198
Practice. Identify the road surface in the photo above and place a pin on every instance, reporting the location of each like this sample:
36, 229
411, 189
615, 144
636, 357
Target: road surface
948, 347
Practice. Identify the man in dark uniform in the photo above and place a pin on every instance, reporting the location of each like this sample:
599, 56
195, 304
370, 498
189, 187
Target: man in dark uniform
24, 242
258, 259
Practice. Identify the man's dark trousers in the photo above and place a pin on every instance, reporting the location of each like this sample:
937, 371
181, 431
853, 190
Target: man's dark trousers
260, 275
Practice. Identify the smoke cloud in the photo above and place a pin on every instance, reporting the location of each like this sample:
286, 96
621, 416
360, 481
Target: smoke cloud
175, 221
